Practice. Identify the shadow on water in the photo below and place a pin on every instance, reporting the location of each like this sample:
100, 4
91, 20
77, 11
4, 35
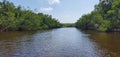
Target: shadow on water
109, 42
62, 42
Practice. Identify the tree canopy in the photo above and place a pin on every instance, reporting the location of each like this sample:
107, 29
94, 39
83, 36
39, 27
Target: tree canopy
16, 18
105, 17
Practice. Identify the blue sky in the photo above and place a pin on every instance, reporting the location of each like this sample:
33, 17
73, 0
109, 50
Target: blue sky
66, 11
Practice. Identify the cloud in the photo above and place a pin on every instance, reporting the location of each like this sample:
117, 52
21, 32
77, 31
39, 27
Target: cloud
51, 2
49, 9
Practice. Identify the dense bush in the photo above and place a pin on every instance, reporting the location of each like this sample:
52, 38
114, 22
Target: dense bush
105, 17
16, 18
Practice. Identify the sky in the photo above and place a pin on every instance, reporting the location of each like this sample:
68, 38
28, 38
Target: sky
65, 11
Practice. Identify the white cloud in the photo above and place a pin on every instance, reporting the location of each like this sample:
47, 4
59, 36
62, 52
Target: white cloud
49, 9
51, 2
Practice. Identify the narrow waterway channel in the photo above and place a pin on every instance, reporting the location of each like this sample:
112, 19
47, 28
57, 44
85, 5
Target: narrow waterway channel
61, 42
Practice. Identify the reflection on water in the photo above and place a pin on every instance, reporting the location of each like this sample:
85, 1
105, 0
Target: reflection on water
110, 42
63, 42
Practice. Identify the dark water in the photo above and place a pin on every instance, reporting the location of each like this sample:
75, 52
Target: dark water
62, 42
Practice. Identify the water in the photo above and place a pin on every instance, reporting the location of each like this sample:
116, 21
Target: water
62, 42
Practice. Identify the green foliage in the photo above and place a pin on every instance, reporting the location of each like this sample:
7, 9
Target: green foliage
105, 26
105, 17
68, 25
15, 18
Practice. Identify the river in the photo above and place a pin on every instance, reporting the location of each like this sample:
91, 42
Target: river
61, 42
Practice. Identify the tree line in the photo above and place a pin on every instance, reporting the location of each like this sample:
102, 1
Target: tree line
105, 17
14, 18
68, 25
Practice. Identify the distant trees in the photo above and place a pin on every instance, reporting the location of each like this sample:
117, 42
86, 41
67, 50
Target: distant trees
105, 17
68, 25
15, 18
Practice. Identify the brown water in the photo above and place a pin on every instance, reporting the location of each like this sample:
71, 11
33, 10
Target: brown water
62, 42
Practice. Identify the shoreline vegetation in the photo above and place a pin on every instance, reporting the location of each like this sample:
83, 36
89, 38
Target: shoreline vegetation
105, 17
14, 18
68, 25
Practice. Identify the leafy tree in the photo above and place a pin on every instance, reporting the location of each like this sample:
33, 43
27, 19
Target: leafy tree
105, 17
15, 18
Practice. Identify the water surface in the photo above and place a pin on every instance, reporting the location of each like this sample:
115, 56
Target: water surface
62, 42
